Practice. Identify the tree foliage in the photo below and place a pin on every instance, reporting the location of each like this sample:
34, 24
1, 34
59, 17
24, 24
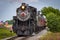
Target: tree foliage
10, 21
53, 18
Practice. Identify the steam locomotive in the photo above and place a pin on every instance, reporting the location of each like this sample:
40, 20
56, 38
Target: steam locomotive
25, 21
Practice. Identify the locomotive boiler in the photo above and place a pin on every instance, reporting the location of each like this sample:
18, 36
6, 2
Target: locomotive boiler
25, 21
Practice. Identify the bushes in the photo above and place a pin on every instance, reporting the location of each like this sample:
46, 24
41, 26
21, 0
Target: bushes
53, 22
53, 18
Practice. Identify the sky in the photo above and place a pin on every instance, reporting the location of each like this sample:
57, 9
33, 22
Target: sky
8, 7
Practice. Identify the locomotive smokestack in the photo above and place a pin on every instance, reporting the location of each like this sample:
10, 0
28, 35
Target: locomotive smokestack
23, 3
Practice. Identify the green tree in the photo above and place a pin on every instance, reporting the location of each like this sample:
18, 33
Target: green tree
53, 18
10, 21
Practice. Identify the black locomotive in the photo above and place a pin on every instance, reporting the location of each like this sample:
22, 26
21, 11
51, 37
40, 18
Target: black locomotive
25, 22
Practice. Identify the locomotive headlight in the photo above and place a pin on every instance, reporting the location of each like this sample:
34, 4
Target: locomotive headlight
23, 7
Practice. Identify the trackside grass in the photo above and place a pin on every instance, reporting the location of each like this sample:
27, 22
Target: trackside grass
4, 33
51, 36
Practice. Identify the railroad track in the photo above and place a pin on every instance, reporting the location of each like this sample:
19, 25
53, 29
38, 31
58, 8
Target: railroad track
12, 38
35, 37
18, 38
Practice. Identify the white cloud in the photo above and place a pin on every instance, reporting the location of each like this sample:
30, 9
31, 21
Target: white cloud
33, 0
24, 0
20, 1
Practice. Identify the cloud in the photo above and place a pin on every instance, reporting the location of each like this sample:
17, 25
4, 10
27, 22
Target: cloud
33, 0
19, 1
24, 0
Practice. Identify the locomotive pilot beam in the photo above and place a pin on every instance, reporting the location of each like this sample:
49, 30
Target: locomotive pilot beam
25, 21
